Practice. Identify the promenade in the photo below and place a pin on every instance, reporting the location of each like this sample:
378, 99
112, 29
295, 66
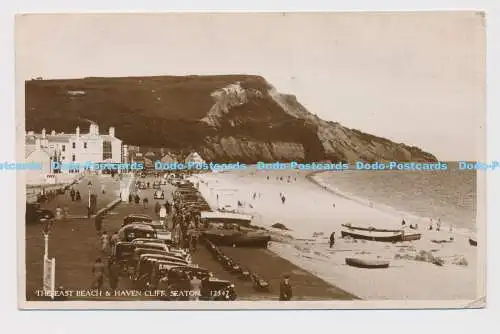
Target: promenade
75, 245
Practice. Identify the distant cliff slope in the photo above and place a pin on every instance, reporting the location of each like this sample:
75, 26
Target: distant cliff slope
225, 118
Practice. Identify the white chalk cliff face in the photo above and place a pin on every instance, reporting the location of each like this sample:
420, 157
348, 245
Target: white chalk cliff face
337, 141
223, 117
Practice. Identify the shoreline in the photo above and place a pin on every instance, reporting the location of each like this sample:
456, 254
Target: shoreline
401, 213
306, 242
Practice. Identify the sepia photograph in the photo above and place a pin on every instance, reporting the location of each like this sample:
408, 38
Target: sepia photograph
280, 160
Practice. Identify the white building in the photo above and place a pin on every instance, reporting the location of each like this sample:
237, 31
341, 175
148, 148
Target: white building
78, 147
38, 155
194, 157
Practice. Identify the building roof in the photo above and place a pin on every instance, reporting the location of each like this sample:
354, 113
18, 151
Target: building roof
168, 158
193, 157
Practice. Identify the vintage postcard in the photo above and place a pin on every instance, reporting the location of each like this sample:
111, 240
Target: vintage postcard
251, 160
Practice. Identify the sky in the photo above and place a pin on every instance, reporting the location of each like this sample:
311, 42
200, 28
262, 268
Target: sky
416, 78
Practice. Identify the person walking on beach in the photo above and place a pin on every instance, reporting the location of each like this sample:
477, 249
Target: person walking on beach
332, 239
113, 274
137, 199
78, 197
438, 225
98, 273
130, 198
285, 289
103, 189
72, 194
403, 223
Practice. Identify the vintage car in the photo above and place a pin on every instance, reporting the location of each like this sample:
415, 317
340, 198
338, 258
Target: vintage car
34, 213
159, 194
136, 218
165, 255
165, 236
156, 185
135, 230
157, 225
171, 247
141, 258
143, 272
217, 290
122, 253
151, 245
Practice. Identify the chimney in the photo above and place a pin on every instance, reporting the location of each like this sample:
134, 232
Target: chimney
112, 131
43, 133
77, 131
53, 133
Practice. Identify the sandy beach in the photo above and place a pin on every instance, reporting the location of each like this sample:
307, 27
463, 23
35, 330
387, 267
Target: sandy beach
311, 212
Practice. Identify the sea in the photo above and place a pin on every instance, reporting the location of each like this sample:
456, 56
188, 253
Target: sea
449, 195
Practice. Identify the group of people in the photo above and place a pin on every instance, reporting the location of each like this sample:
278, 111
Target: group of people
107, 245
137, 200
75, 195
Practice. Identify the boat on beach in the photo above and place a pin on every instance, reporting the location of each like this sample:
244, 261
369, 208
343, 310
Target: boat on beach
374, 234
370, 228
366, 263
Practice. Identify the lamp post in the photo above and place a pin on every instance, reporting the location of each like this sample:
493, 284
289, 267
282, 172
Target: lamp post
48, 280
89, 185
46, 228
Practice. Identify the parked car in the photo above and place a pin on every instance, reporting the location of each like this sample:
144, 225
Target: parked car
132, 231
136, 218
122, 253
156, 185
139, 252
34, 213
217, 290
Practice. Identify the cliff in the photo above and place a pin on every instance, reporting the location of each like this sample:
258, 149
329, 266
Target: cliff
225, 118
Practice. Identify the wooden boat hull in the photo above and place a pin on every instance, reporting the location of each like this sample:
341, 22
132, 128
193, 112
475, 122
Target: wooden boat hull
472, 242
366, 264
237, 239
373, 237
351, 227
412, 237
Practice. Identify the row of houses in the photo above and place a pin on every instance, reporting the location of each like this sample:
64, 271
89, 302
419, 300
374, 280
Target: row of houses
149, 158
46, 148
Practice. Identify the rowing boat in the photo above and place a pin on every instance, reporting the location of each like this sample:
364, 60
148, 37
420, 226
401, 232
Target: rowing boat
366, 263
374, 235
370, 228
